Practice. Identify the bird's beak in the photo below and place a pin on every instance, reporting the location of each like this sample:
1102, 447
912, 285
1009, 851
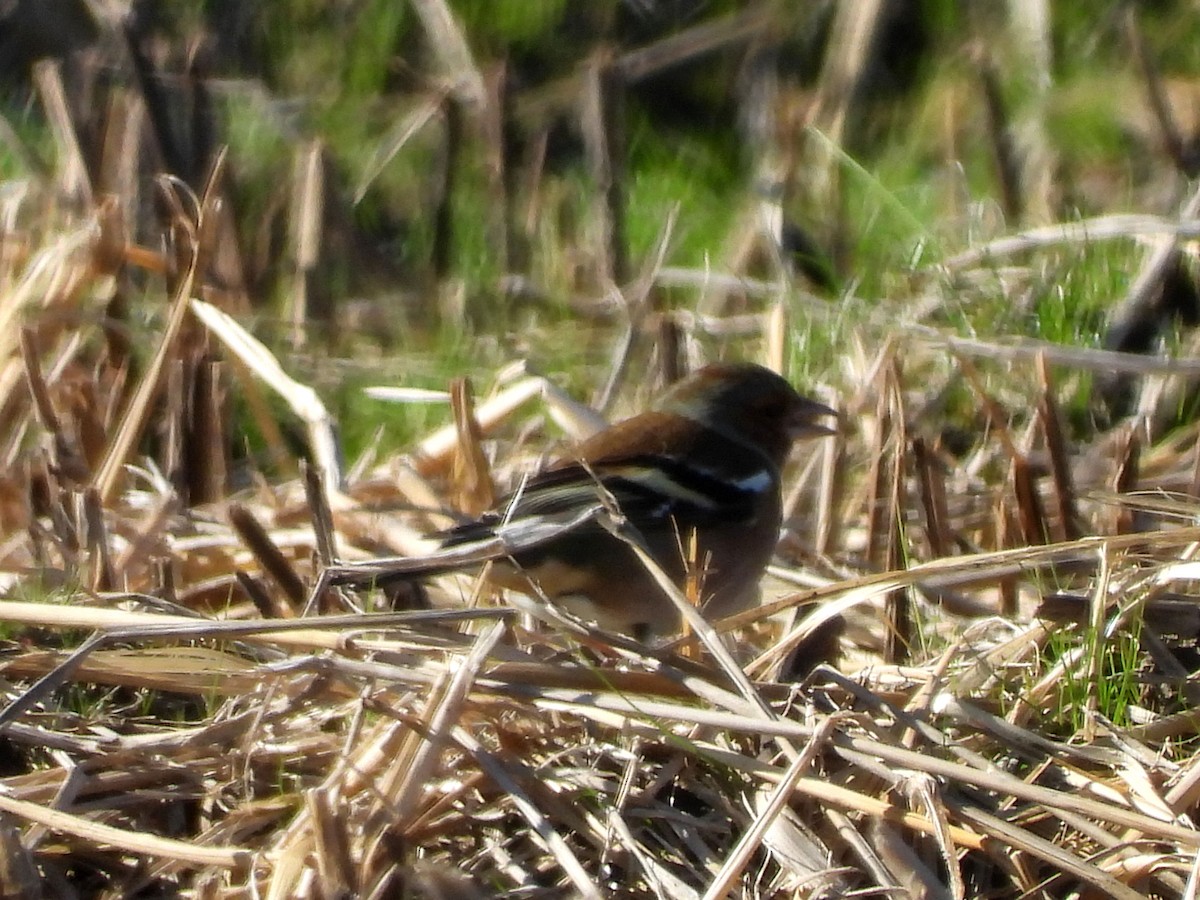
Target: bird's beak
801, 421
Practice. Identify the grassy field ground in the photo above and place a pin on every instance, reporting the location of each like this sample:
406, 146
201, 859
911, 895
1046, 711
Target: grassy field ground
284, 287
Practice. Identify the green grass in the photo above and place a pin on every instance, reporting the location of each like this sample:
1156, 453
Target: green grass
1117, 686
1073, 297
699, 175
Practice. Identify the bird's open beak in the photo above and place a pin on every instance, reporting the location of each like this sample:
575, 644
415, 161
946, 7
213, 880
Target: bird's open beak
802, 421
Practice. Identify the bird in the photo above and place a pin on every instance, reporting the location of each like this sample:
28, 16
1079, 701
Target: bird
700, 468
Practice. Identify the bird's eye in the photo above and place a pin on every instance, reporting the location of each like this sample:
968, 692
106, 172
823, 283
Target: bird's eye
771, 405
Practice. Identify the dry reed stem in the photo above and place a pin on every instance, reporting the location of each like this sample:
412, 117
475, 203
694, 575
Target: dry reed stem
348, 746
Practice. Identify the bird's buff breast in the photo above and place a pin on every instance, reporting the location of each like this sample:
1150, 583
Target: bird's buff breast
615, 590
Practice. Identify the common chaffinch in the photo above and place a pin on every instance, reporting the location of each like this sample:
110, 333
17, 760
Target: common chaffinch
704, 460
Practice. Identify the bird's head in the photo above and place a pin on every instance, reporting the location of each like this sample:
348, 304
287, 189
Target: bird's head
748, 403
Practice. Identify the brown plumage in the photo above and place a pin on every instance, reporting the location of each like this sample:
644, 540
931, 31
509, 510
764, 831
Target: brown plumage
704, 459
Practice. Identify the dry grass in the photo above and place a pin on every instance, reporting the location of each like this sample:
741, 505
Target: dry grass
206, 736
972, 674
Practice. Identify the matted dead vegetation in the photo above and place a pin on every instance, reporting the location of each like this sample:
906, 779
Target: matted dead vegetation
224, 729
972, 675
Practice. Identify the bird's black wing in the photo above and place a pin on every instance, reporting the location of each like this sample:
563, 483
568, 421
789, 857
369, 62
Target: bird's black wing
654, 492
